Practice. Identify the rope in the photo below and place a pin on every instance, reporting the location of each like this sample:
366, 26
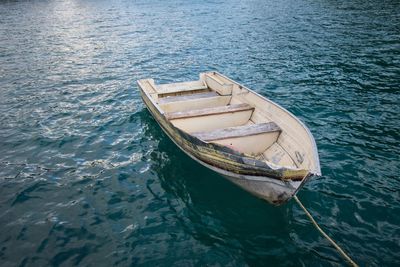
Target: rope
338, 248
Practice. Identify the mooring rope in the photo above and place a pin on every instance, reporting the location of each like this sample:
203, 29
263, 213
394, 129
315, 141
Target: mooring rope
338, 248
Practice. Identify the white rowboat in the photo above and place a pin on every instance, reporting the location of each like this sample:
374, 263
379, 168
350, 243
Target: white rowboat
252, 141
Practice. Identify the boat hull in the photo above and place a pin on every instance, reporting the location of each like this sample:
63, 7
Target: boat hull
272, 190
262, 181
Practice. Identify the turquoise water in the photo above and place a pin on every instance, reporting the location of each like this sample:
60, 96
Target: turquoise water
88, 178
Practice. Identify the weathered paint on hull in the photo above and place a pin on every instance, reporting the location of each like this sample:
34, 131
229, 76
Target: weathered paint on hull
274, 185
272, 190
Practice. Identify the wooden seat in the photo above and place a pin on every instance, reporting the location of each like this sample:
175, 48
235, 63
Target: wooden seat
208, 111
177, 88
238, 131
179, 98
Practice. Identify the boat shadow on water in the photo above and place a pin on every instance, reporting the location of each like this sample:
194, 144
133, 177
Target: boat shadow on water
212, 209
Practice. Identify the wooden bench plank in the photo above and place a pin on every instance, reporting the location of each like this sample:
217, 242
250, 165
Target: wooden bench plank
208, 111
179, 98
238, 131
171, 88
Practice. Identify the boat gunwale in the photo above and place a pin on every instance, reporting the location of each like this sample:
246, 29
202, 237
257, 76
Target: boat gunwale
316, 171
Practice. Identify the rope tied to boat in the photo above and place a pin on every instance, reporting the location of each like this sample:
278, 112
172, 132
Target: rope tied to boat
337, 247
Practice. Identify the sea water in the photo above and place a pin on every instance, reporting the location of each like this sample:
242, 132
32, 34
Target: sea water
88, 178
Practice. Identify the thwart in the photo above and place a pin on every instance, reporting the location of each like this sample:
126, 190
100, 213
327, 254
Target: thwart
234, 131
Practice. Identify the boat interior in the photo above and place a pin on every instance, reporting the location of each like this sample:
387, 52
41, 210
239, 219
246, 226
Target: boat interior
216, 109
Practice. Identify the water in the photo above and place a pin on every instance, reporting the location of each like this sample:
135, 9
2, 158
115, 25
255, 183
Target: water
88, 178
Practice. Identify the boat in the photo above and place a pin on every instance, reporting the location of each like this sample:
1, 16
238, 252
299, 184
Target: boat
236, 132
